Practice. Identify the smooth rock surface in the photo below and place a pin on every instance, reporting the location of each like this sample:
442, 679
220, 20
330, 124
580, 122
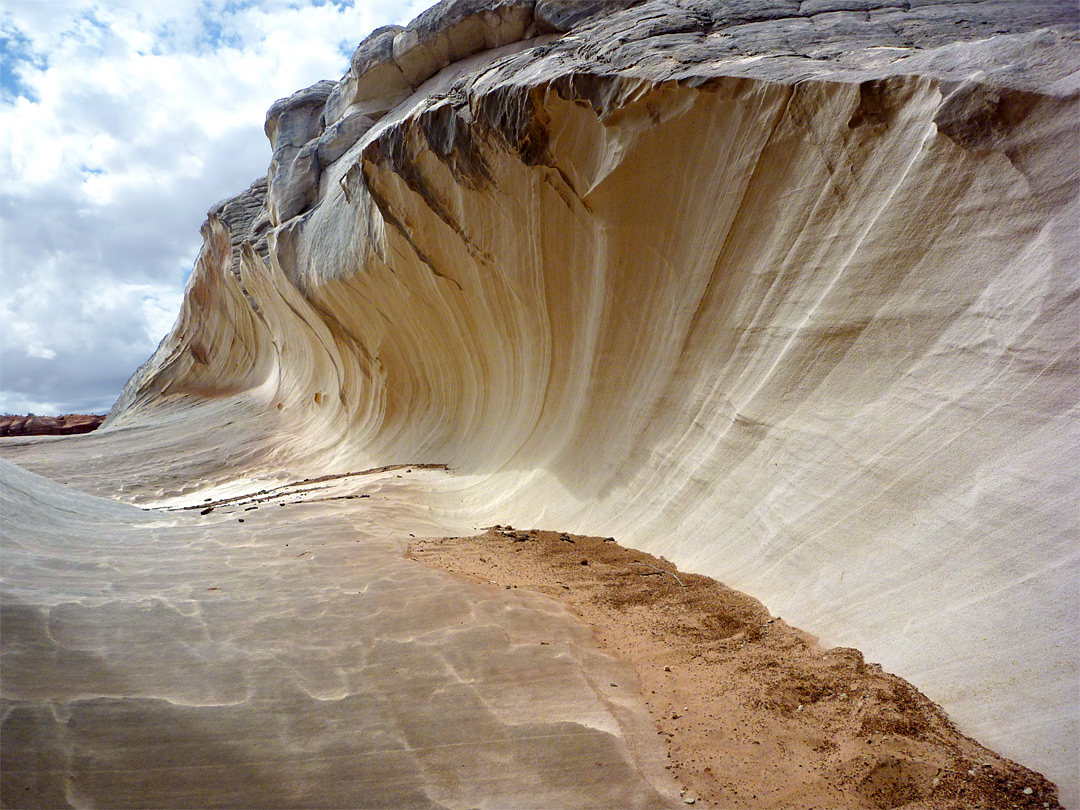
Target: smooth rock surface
784, 291
190, 660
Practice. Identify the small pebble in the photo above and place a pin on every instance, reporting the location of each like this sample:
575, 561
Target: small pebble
689, 799
1028, 791
667, 669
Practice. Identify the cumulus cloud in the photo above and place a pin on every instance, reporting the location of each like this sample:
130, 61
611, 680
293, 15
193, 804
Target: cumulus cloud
121, 123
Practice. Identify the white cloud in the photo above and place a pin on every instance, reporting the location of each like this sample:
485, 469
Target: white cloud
121, 123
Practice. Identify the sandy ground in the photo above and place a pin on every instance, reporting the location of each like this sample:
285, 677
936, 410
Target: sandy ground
755, 713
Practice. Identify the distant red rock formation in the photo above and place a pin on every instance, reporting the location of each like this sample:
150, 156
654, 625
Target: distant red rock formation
65, 425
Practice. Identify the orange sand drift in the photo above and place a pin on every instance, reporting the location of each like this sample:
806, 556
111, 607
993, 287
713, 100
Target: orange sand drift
754, 711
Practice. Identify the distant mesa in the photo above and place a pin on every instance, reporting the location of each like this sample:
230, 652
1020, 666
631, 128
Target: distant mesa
65, 425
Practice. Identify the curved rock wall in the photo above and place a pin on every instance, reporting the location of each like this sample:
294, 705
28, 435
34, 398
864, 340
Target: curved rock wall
784, 291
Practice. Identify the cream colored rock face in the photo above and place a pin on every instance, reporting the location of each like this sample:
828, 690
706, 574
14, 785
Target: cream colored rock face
815, 339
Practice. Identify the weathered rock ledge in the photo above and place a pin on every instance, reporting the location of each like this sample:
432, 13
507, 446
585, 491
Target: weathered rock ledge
65, 425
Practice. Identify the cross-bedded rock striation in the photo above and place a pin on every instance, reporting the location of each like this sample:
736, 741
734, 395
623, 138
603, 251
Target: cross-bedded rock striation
784, 290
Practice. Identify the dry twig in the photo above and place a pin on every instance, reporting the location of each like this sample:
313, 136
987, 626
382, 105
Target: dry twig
662, 571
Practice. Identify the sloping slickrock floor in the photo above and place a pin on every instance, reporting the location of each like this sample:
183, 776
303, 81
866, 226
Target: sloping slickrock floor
296, 645
290, 655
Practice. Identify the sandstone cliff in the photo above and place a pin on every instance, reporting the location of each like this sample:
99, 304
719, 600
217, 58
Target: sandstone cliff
785, 291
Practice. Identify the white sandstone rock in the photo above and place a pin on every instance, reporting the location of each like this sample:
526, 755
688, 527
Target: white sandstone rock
784, 291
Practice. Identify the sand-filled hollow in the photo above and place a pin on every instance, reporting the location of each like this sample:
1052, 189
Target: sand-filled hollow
755, 712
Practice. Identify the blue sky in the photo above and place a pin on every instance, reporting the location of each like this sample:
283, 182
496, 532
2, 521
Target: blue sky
121, 123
